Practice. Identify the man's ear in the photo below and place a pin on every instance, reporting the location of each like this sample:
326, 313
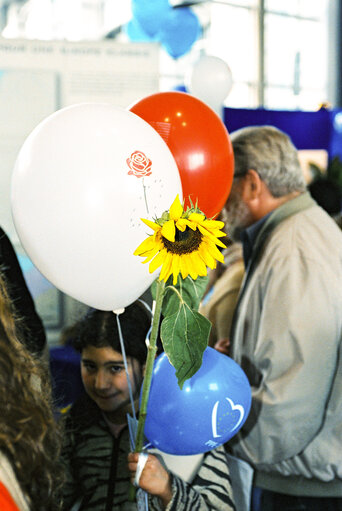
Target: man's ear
252, 186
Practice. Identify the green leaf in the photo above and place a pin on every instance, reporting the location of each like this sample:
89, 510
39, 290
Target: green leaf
185, 336
190, 290
194, 289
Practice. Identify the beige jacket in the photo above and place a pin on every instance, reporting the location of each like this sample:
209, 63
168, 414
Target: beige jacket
287, 338
219, 303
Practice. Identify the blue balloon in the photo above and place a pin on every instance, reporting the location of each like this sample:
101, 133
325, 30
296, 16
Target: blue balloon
209, 410
150, 14
179, 32
180, 88
135, 32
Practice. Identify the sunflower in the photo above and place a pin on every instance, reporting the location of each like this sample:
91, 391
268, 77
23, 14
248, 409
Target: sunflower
183, 242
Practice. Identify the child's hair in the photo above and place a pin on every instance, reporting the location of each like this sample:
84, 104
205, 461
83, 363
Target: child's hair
99, 329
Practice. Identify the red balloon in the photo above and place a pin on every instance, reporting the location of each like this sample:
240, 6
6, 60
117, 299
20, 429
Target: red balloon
199, 142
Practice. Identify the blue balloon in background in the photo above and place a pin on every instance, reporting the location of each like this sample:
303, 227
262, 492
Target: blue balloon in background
179, 32
150, 14
209, 410
135, 32
180, 88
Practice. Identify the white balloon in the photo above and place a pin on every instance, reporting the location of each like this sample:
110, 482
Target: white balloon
82, 181
210, 80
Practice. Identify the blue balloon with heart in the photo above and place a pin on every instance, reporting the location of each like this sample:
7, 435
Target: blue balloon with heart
210, 409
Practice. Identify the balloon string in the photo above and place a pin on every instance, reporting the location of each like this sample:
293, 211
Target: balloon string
144, 187
151, 312
123, 351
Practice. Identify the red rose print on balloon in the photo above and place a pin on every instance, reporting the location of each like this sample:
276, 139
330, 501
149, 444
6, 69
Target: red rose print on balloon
140, 166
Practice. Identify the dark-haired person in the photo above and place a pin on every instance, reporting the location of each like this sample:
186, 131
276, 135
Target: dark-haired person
99, 465
32, 332
30, 469
327, 194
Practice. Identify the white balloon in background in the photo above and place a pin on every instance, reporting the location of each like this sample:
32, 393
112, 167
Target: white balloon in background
82, 180
210, 80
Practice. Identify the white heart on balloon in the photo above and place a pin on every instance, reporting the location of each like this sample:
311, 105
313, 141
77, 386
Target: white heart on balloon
234, 407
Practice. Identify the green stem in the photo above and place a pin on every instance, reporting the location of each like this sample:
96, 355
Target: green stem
172, 288
151, 354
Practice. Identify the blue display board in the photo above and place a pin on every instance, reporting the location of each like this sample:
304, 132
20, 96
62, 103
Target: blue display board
308, 130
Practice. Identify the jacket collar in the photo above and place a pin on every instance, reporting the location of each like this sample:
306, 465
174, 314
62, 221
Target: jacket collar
293, 206
289, 208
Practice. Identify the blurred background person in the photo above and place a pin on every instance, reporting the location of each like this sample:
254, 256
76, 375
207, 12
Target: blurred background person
29, 323
220, 298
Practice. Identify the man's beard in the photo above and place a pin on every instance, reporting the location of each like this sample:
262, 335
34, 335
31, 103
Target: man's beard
236, 217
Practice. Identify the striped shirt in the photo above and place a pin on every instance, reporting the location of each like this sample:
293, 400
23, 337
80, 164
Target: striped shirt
97, 474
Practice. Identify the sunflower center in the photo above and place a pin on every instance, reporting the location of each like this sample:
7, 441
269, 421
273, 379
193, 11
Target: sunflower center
185, 242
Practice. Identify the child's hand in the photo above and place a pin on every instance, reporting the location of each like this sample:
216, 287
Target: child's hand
154, 478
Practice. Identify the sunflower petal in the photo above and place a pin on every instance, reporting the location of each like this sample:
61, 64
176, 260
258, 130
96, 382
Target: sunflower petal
220, 244
191, 267
181, 224
151, 224
205, 232
213, 224
144, 247
152, 253
175, 267
169, 230
219, 234
197, 218
214, 251
183, 266
166, 268
176, 209
198, 264
208, 234
216, 232
158, 260
208, 259
192, 225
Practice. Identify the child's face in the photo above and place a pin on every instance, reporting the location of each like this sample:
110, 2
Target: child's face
105, 381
